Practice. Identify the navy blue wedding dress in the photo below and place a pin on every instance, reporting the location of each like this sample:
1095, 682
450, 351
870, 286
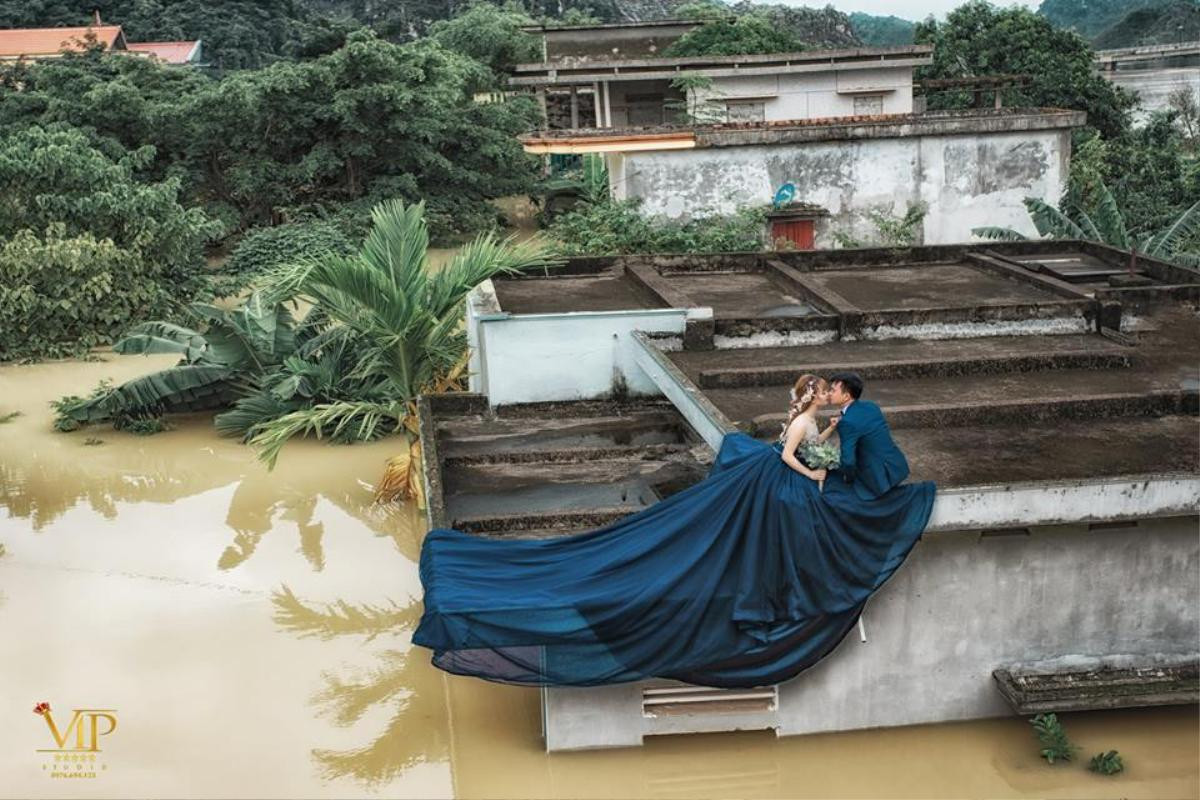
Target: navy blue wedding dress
744, 579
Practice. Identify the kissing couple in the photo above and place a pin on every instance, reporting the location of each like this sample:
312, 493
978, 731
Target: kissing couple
868, 459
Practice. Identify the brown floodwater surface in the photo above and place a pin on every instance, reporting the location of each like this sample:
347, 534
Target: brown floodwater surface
250, 631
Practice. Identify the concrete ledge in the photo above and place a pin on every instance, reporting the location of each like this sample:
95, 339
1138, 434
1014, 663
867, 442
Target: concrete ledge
1025, 411
1065, 502
734, 377
928, 124
431, 465
1091, 684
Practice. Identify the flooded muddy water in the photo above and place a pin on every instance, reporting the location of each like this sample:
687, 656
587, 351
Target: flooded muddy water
248, 632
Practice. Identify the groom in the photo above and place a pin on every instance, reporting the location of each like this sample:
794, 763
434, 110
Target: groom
871, 462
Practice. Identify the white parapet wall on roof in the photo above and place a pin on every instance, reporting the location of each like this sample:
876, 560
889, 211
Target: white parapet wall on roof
965, 180
532, 358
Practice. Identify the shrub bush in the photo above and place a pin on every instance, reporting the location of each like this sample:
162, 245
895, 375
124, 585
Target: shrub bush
63, 295
264, 249
608, 228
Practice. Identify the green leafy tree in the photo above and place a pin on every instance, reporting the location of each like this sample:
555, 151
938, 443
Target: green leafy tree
61, 296
371, 121
492, 36
978, 39
882, 31
731, 36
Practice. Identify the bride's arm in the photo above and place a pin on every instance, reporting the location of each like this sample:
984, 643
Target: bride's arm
795, 432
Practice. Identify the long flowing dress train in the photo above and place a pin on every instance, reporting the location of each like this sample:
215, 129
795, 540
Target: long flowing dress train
744, 579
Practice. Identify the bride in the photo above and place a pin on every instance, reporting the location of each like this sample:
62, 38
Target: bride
744, 579
808, 395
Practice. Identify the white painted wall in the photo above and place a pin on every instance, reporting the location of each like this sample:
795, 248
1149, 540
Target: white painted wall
529, 358
1154, 86
961, 606
965, 180
805, 95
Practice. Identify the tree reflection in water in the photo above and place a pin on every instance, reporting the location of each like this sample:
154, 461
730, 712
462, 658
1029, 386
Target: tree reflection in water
417, 730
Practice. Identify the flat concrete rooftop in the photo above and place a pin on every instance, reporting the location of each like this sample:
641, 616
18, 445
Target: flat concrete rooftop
1067, 286
931, 329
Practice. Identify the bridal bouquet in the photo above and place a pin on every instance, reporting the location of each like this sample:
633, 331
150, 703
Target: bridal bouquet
821, 456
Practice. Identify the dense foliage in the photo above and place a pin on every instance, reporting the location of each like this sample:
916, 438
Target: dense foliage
978, 38
369, 121
87, 248
607, 227
62, 295
879, 31
263, 251
730, 36
1160, 23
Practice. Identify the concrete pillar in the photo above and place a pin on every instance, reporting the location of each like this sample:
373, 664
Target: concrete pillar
608, 123
596, 105
541, 97
574, 106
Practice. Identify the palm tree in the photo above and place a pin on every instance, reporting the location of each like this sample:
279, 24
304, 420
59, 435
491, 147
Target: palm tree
1102, 221
383, 328
394, 322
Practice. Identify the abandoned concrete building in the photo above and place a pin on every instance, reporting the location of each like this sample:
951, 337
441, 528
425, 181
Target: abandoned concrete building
1155, 72
1050, 388
699, 136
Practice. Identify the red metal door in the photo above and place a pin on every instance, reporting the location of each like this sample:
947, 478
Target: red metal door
799, 232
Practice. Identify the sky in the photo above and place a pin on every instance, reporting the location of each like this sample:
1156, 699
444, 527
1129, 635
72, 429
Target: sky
908, 9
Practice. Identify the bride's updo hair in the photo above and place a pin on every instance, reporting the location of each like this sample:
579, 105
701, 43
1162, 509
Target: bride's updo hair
803, 393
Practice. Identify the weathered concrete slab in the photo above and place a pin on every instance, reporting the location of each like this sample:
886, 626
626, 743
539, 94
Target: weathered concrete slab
1092, 684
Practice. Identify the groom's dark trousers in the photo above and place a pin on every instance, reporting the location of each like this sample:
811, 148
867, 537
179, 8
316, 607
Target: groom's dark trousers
871, 462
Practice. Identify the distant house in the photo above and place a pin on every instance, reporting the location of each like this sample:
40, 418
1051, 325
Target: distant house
174, 53
42, 43
37, 43
615, 77
700, 135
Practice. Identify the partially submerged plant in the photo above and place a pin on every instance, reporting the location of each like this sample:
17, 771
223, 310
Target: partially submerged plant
1108, 763
1053, 739
384, 327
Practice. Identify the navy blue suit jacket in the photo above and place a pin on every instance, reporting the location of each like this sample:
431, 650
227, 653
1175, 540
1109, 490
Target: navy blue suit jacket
871, 462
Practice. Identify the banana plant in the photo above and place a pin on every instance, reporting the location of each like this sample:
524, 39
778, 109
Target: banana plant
226, 351
1102, 221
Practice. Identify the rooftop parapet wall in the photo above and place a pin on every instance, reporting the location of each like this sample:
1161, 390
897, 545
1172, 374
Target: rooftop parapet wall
878, 126
588, 70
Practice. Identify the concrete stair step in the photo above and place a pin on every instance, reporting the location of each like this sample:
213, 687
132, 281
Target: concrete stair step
1017, 412
648, 452
855, 354
988, 399
539, 524
485, 434
933, 367
555, 487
